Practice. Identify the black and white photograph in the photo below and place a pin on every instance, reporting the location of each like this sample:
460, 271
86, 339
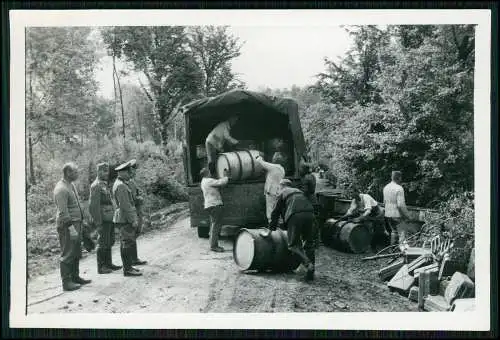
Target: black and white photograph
317, 169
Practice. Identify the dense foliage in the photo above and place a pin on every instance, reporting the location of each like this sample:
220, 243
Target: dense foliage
180, 64
401, 99
68, 120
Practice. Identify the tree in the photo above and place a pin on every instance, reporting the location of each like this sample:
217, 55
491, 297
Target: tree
351, 81
61, 87
161, 53
139, 119
214, 49
416, 114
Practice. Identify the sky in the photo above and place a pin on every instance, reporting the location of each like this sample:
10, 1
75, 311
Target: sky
274, 57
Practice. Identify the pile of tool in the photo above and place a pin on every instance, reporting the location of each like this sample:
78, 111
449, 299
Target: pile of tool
431, 276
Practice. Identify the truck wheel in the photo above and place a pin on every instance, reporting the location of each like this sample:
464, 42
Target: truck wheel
203, 232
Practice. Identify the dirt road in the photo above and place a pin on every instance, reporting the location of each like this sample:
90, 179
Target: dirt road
183, 276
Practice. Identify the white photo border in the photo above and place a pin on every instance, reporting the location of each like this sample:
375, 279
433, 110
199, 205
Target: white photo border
467, 321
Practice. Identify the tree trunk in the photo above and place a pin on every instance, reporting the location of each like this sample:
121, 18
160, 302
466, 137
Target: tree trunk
139, 125
114, 86
32, 179
162, 115
121, 100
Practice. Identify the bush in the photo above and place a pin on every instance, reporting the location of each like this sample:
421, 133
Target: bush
455, 219
39, 197
158, 175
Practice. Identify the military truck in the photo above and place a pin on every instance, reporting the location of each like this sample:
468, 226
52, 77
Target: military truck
266, 124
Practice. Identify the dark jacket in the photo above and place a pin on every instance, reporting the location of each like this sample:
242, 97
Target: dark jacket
308, 186
100, 203
290, 201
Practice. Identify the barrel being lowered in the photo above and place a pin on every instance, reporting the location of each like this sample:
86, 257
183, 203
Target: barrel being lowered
241, 165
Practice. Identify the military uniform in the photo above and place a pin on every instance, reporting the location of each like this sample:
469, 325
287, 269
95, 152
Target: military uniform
102, 211
125, 218
69, 213
138, 201
308, 187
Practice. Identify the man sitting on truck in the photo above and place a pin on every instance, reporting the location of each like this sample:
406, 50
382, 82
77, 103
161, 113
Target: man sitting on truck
298, 213
274, 174
216, 138
213, 205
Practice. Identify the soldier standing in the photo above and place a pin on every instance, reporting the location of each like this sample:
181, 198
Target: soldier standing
101, 209
395, 207
69, 228
125, 218
308, 187
138, 201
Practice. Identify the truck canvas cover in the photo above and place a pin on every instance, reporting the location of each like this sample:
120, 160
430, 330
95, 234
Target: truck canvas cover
231, 100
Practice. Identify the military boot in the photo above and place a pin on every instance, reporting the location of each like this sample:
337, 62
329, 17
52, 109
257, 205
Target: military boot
76, 273
135, 259
102, 266
109, 260
67, 283
128, 270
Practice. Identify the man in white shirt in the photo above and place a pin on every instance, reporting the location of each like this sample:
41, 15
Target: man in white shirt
395, 206
363, 208
213, 204
216, 139
274, 174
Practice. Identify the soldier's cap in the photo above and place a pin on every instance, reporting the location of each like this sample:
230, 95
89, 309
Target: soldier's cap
123, 166
133, 163
102, 166
285, 182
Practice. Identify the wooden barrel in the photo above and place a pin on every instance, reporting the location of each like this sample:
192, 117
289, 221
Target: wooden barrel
252, 251
240, 165
346, 236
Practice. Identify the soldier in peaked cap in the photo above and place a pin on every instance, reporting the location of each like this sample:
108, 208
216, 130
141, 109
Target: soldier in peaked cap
125, 218
102, 210
138, 201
